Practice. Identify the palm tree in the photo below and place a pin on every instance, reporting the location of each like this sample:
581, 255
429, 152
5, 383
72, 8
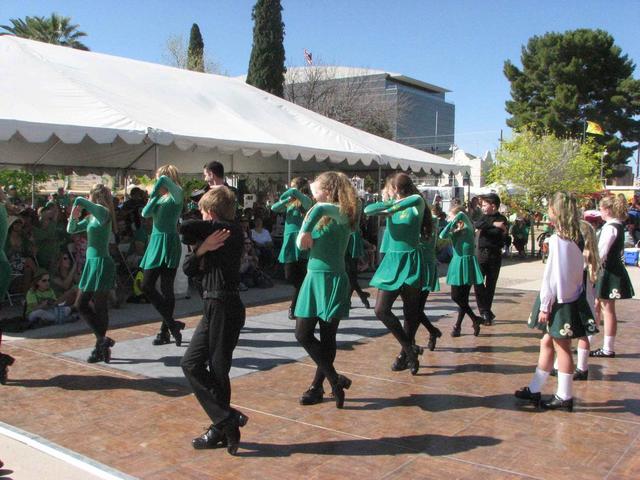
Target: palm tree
56, 29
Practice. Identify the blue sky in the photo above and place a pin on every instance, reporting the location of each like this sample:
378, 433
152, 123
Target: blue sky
457, 44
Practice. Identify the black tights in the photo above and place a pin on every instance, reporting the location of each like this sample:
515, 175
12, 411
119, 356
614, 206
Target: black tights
411, 308
411, 328
351, 265
460, 295
323, 351
96, 316
163, 301
294, 273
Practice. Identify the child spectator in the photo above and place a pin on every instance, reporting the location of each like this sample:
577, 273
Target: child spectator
42, 303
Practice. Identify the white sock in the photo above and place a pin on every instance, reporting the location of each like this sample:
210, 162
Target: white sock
608, 344
538, 380
583, 359
565, 386
590, 338
555, 363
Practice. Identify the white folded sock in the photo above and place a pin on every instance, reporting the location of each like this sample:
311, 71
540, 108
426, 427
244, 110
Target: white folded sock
538, 380
565, 386
608, 344
583, 359
590, 338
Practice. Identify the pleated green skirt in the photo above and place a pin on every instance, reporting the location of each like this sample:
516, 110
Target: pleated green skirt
355, 247
164, 249
324, 295
614, 284
290, 253
99, 274
464, 270
398, 269
567, 320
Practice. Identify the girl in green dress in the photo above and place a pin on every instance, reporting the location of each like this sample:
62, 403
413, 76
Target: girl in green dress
464, 269
162, 256
324, 295
5, 278
401, 272
613, 281
295, 202
561, 310
98, 275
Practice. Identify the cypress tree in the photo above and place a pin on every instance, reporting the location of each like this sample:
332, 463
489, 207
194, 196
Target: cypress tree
195, 53
266, 65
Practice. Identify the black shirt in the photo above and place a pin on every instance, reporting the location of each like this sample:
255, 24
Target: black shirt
490, 236
219, 269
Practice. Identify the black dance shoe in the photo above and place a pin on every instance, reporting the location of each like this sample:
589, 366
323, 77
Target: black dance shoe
162, 338
105, 347
400, 363
433, 337
176, 331
477, 321
600, 353
556, 403
487, 318
581, 374
312, 396
5, 362
230, 429
338, 389
364, 298
554, 372
412, 359
526, 394
95, 356
292, 309
240, 417
455, 332
212, 438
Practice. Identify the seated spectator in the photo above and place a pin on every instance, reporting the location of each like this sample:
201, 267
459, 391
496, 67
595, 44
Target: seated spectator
13, 198
20, 253
629, 235
251, 275
45, 236
78, 249
65, 278
263, 243
43, 305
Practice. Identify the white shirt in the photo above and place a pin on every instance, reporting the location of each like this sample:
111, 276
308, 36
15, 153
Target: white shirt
261, 238
562, 278
608, 235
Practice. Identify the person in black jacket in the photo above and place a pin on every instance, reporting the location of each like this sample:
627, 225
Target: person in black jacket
217, 242
492, 229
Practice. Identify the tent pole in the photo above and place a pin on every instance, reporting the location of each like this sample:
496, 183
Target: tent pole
289, 172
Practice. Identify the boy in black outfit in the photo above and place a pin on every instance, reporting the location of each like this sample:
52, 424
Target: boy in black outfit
492, 228
218, 241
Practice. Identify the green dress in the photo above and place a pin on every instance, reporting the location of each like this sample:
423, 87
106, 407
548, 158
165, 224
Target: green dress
402, 263
5, 267
99, 271
613, 280
427, 247
164, 247
355, 247
325, 290
294, 215
463, 268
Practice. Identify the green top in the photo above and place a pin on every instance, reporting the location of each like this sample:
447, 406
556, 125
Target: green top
164, 243
34, 297
403, 227
97, 226
292, 222
462, 240
4, 230
463, 267
329, 241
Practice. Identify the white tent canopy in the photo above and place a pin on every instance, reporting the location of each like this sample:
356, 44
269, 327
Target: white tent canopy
66, 107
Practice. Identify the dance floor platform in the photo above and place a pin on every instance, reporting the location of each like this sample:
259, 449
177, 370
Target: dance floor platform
456, 419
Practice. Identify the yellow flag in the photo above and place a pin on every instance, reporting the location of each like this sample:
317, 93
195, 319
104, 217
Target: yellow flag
595, 128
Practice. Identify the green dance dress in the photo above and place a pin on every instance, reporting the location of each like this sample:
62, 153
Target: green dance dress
325, 290
99, 271
402, 263
163, 249
5, 267
613, 280
427, 249
464, 268
294, 215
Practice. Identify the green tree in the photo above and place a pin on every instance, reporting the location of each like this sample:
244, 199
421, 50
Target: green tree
545, 164
568, 78
55, 29
21, 179
266, 65
195, 53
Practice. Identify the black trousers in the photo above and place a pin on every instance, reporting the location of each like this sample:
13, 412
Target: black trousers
294, 273
490, 262
411, 308
323, 351
96, 316
165, 300
207, 361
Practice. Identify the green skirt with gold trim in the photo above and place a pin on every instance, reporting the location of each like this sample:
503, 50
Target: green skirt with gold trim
567, 320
